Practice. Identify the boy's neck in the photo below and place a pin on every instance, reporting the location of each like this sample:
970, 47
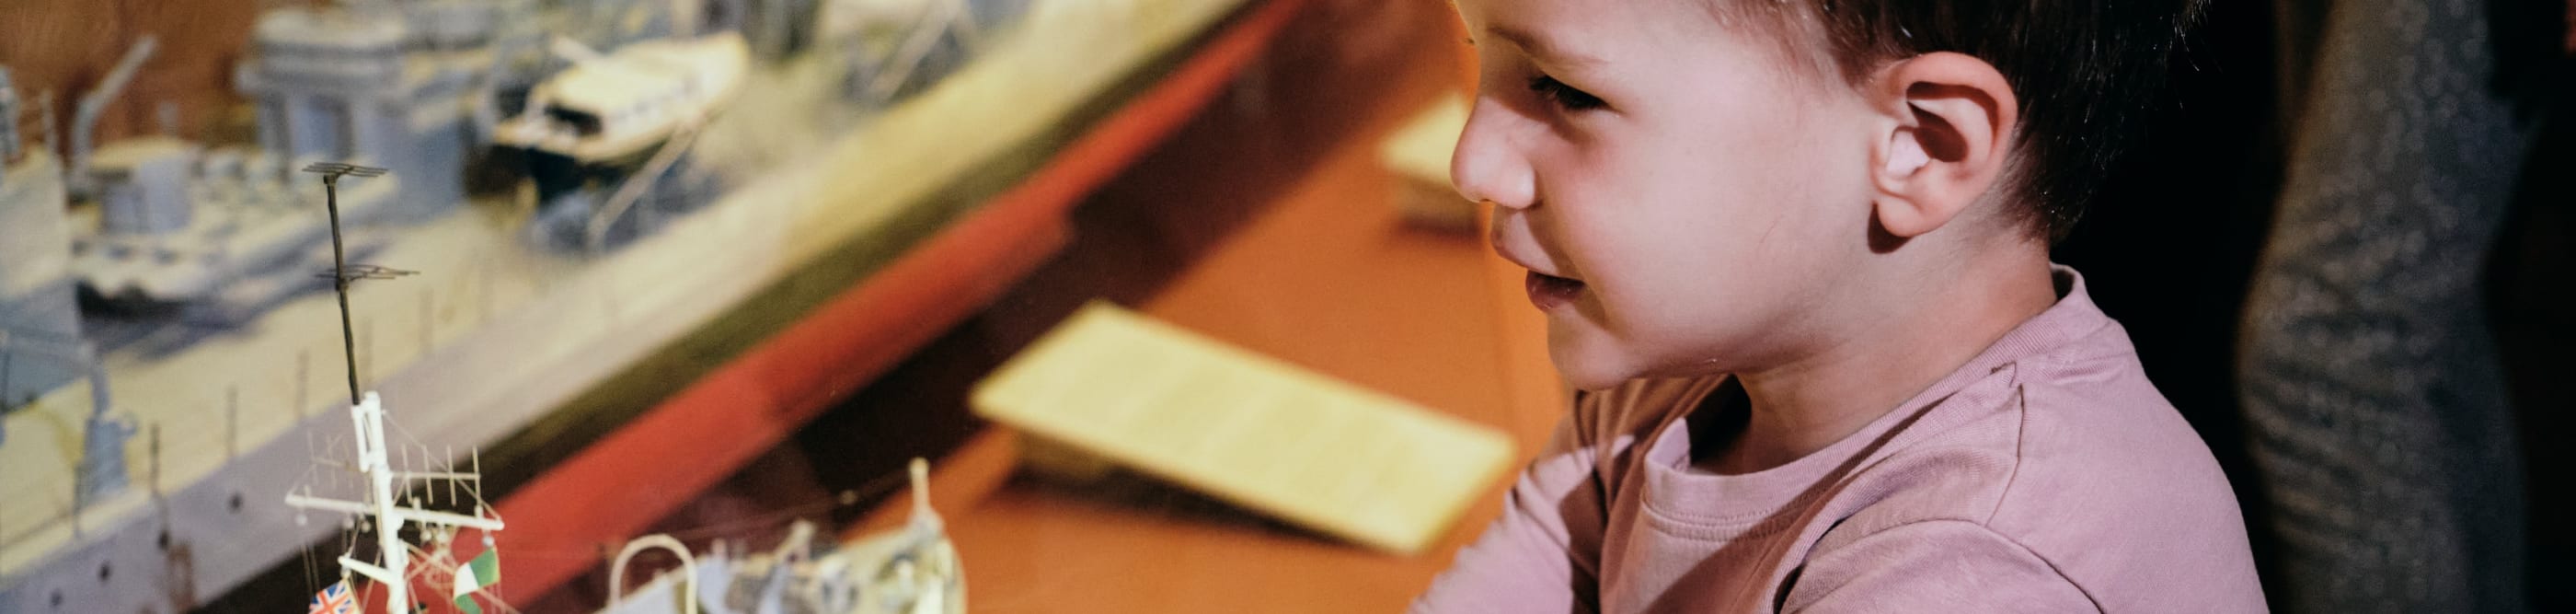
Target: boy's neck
1804, 405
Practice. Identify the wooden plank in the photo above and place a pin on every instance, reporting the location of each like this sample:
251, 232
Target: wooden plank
1247, 428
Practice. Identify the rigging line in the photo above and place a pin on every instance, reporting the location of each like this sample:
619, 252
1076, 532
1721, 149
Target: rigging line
764, 520
876, 486
554, 554
407, 436
309, 583
481, 506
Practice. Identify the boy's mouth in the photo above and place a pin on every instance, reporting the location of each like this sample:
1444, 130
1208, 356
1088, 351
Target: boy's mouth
1549, 291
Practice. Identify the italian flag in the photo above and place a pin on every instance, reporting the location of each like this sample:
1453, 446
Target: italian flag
483, 571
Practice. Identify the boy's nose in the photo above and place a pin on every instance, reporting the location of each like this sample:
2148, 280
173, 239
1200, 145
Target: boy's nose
1487, 165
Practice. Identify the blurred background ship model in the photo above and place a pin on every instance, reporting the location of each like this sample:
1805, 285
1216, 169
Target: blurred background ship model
157, 366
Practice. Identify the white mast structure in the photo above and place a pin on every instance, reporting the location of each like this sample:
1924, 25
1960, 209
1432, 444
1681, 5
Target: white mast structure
367, 415
390, 517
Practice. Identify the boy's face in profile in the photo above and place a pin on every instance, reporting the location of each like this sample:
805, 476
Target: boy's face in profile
1684, 192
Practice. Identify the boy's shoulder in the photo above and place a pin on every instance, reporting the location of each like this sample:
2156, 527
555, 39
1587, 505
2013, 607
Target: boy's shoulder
2072, 454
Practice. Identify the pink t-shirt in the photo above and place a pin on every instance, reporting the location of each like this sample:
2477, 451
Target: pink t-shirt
2045, 475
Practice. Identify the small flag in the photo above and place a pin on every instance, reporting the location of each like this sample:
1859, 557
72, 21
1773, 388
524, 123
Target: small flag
474, 575
333, 599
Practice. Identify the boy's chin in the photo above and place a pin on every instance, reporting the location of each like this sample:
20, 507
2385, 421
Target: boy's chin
1586, 368
1589, 359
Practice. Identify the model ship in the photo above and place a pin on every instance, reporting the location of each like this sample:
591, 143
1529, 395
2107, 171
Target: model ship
911, 570
159, 373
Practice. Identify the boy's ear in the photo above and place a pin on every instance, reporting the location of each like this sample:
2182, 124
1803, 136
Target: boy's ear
1948, 139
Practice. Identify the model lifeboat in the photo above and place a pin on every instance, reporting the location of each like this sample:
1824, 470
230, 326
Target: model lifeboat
608, 109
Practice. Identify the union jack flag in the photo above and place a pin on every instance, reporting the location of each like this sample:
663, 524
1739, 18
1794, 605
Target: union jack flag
333, 600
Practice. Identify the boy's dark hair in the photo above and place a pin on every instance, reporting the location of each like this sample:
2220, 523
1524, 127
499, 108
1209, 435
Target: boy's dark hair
2083, 71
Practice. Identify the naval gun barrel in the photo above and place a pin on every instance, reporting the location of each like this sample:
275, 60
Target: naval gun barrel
85, 118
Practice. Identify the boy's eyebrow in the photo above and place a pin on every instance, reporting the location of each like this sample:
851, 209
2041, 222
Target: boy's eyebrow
1539, 46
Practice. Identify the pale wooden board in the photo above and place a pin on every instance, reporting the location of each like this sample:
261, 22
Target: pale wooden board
1247, 428
1419, 154
491, 334
1420, 150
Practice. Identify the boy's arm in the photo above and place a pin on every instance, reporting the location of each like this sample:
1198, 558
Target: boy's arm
1543, 553
1933, 566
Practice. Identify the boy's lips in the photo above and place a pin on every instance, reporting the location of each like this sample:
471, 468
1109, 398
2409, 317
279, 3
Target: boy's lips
1546, 291
1549, 291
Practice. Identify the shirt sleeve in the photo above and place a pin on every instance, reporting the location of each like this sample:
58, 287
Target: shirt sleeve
1543, 553
1933, 566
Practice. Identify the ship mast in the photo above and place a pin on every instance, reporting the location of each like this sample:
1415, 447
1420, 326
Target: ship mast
367, 416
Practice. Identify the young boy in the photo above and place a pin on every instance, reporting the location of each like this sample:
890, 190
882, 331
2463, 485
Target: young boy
1796, 252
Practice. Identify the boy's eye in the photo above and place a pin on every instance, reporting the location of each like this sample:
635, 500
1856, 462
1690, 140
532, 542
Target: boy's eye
1562, 95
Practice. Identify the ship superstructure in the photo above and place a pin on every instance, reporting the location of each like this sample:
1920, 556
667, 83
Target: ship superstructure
393, 86
384, 509
600, 136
